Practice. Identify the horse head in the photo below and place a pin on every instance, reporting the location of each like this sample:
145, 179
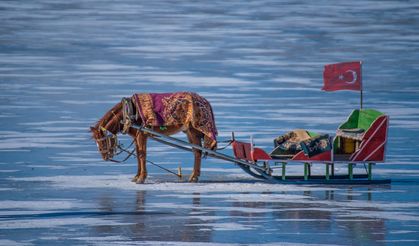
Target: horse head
105, 132
106, 142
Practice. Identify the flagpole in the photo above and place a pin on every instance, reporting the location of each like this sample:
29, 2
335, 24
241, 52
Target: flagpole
360, 63
361, 98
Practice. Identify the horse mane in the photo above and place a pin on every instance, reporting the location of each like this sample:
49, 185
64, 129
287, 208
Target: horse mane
110, 118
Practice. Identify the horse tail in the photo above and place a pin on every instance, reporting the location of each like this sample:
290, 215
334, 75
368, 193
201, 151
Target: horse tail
206, 122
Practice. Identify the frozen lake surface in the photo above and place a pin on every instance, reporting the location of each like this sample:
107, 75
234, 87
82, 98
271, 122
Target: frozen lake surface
260, 64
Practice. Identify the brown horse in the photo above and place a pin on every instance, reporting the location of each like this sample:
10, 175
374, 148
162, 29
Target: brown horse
164, 113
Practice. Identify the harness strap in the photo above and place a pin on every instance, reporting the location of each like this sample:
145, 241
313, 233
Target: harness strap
128, 115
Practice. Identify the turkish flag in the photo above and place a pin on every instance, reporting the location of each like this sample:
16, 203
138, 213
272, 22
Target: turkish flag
342, 76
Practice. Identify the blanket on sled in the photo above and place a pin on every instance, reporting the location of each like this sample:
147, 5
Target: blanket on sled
294, 141
179, 108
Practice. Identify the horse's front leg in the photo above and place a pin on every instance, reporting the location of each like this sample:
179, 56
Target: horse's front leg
141, 148
194, 138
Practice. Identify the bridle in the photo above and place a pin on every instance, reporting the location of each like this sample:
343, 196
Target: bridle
108, 144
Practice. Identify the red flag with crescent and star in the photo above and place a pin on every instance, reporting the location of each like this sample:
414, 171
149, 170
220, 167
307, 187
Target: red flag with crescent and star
342, 76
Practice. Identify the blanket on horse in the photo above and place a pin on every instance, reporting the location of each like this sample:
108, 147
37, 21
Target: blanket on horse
180, 108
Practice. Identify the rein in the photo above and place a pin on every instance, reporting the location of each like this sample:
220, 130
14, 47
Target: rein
130, 153
113, 146
121, 149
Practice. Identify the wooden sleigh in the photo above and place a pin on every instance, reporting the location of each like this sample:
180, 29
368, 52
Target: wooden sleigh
360, 140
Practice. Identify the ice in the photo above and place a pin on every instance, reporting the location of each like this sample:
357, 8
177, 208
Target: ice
259, 63
226, 226
41, 205
123, 182
52, 223
14, 243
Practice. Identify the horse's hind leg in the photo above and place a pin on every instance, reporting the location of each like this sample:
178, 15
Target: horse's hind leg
195, 137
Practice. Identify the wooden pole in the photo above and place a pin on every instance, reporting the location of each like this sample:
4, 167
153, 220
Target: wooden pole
351, 171
284, 166
360, 63
327, 171
369, 171
361, 98
306, 170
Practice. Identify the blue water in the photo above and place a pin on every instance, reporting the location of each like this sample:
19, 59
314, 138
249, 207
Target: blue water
259, 63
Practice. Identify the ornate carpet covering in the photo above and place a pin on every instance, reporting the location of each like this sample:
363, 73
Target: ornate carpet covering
179, 108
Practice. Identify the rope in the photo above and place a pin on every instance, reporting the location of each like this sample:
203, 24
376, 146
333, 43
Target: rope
122, 149
126, 158
130, 153
127, 112
167, 170
229, 143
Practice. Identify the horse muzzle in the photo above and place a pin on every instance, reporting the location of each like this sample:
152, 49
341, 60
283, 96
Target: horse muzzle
107, 146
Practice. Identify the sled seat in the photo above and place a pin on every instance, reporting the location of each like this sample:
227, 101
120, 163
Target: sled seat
363, 136
245, 151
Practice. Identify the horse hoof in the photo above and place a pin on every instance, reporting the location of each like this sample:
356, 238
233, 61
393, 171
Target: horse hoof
140, 180
134, 179
193, 179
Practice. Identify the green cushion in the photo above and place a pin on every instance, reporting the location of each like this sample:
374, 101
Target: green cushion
312, 134
361, 119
